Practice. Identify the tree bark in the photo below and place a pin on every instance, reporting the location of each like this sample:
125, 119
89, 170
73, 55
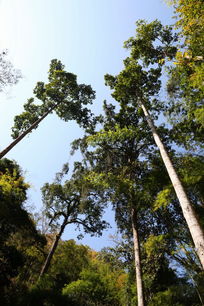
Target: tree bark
53, 248
138, 268
35, 124
187, 209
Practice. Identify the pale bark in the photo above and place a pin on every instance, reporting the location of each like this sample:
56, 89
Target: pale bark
138, 268
187, 209
53, 248
34, 125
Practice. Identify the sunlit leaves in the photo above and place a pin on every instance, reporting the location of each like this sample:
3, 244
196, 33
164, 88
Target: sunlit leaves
153, 43
118, 134
186, 79
154, 244
163, 198
62, 94
98, 284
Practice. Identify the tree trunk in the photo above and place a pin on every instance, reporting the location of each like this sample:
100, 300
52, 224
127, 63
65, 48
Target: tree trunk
138, 268
53, 248
35, 124
187, 209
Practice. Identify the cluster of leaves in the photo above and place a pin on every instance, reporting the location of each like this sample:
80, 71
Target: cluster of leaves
73, 201
185, 85
62, 94
98, 284
21, 246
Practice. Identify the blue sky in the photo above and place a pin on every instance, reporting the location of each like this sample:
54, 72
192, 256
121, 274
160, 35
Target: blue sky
87, 36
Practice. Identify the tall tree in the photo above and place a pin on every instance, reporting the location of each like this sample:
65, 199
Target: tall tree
115, 166
71, 203
138, 85
62, 94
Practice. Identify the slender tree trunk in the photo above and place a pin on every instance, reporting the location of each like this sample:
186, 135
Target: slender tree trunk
187, 209
138, 268
34, 125
53, 248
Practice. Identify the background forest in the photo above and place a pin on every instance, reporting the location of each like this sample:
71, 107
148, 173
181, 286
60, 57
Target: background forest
139, 158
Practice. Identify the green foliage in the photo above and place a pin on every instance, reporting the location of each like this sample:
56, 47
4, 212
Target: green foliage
190, 20
13, 194
163, 198
70, 203
154, 244
78, 276
97, 285
68, 261
185, 85
134, 83
152, 45
119, 134
181, 295
43, 297
62, 94
191, 171
146, 45
165, 298
20, 244
74, 202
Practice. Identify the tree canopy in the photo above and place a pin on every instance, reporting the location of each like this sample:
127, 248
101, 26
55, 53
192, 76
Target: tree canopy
141, 158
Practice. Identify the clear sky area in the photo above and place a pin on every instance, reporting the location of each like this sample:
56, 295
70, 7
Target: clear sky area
87, 36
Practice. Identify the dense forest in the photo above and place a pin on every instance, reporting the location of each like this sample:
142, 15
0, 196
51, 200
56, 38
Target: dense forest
143, 157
